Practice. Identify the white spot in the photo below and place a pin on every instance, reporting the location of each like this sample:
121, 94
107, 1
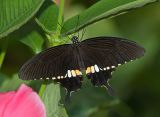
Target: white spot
73, 73
125, 62
62, 77
96, 68
119, 64
41, 78
108, 68
58, 77
69, 74
92, 69
47, 78
131, 60
35, 79
53, 78
104, 69
112, 66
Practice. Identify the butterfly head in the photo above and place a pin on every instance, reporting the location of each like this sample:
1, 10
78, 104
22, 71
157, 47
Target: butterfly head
75, 40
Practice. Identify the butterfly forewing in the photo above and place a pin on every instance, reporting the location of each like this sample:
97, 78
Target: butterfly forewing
49, 64
109, 51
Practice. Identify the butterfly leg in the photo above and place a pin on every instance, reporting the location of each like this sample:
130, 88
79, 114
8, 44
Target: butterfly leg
109, 89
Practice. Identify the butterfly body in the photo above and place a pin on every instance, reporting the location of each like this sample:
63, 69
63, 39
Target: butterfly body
75, 40
97, 57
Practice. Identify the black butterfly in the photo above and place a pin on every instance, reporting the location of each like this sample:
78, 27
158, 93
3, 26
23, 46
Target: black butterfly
96, 57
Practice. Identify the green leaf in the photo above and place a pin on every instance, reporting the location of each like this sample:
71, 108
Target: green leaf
14, 13
31, 35
100, 10
62, 112
47, 16
12, 83
2, 79
51, 98
8, 84
33, 39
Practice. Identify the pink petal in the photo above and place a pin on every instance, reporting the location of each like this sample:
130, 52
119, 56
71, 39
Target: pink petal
5, 99
25, 103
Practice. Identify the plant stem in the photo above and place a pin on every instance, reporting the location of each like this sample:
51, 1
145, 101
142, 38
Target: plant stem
60, 17
3, 51
54, 38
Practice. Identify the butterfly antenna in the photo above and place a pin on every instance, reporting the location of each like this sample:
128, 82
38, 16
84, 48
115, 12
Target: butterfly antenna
77, 25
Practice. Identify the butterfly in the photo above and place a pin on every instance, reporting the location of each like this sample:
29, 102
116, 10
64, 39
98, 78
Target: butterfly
96, 57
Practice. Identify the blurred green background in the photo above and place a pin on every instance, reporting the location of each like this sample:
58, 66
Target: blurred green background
137, 84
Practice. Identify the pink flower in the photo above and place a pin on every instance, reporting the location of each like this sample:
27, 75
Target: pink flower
22, 103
